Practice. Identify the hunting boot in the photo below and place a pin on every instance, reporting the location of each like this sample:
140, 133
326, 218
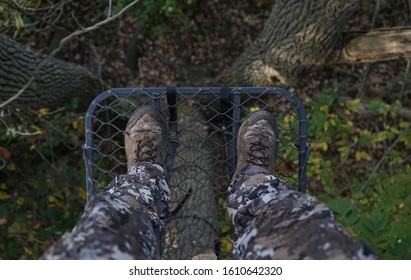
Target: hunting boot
257, 143
146, 137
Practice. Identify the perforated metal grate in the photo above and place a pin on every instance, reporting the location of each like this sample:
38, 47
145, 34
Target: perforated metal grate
201, 154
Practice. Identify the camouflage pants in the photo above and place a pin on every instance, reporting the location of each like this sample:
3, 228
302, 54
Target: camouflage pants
272, 221
126, 221
123, 221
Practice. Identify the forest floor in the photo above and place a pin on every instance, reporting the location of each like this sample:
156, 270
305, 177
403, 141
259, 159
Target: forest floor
42, 180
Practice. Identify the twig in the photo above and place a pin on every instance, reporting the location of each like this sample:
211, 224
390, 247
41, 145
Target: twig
367, 65
76, 21
55, 111
64, 41
109, 8
409, 8
99, 63
140, 67
53, 6
37, 132
45, 159
401, 95
377, 166
14, 5
376, 12
364, 80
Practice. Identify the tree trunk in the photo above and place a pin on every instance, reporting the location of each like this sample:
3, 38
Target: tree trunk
194, 229
56, 83
297, 36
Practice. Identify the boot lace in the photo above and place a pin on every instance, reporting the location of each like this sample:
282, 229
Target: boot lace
145, 148
258, 154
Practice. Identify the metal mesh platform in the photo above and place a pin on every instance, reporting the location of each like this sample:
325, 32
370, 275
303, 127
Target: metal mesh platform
201, 154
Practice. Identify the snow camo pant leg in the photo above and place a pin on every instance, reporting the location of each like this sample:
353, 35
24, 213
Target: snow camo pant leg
123, 221
272, 221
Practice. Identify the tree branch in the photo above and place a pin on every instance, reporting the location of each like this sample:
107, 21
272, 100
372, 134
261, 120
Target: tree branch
64, 41
379, 45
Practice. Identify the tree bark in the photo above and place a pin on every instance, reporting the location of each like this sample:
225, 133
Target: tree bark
297, 36
56, 83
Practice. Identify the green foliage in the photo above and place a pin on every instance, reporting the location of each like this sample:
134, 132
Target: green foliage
384, 226
14, 14
370, 192
156, 16
42, 180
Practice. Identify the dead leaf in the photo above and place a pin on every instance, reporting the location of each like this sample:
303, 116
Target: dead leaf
5, 153
286, 169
